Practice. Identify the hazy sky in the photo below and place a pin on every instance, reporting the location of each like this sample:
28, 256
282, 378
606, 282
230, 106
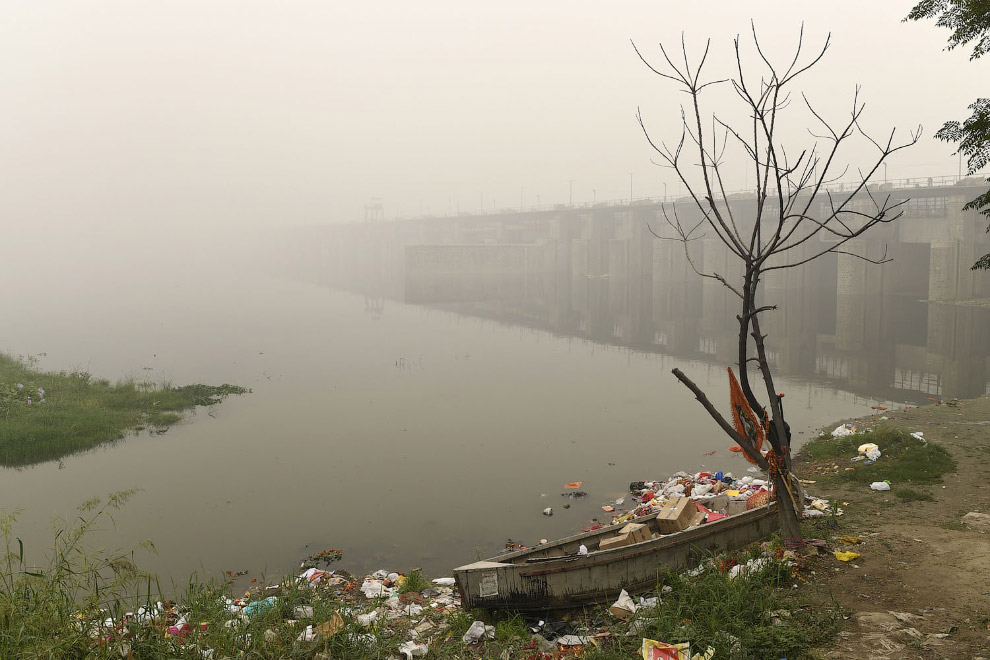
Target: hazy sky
170, 115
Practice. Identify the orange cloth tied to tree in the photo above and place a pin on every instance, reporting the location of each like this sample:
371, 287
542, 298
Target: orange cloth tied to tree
743, 418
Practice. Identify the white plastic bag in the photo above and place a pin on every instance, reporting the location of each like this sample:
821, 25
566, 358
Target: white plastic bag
623, 607
701, 489
367, 619
477, 631
870, 450
413, 650
375, 589
880, 485
843, 430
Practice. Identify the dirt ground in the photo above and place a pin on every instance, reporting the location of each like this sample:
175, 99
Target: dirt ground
921, 587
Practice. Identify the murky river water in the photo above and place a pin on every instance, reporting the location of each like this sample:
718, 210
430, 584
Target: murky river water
407, 438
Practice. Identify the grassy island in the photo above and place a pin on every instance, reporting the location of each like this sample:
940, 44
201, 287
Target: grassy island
45, 416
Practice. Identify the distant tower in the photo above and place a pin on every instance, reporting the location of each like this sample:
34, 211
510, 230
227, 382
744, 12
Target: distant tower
374, 211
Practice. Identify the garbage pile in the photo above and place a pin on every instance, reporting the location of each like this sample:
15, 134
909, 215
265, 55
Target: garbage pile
312, 609
714, 495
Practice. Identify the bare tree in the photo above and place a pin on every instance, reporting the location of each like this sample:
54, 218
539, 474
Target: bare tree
801, 214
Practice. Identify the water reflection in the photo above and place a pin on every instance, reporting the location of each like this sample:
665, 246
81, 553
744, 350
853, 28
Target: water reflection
887, 347
858, 326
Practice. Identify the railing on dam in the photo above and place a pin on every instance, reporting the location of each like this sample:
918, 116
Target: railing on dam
887, 185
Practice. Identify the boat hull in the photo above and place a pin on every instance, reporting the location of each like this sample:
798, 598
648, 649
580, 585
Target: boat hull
554, 576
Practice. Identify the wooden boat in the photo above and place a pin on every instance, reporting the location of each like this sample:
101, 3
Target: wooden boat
555, 576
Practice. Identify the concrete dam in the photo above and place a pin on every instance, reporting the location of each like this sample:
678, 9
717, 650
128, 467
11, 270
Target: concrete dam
912, 328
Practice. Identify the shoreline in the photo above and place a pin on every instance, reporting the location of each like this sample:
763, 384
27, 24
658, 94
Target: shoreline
920, 558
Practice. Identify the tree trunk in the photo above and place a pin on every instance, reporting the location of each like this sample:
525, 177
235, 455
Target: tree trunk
787, 514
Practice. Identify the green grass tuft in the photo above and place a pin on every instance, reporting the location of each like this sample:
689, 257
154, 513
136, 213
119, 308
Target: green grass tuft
904, 459
415, 581
755, 615
912, 495
75, 604
45, 416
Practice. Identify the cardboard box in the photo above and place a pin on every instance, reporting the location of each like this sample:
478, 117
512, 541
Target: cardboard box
637, 533
736, 506
718, 503
331, 627
676, 515
615, 542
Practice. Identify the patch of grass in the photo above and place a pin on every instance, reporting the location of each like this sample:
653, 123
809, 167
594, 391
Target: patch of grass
904, 458
48, 415
827, 448
39, 603
755, 615
415, 581
912, 495
954, 524
511, 629
79, 603
85, 604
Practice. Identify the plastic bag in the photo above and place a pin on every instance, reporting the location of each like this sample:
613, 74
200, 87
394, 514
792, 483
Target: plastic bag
412, 649
375, 589
880, 485
843, 430
623, 607
477, 632
366, 620
260, 606
870, 450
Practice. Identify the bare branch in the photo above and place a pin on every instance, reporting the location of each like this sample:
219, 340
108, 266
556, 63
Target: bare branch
793, 203
740, 440
679, 78
758, 310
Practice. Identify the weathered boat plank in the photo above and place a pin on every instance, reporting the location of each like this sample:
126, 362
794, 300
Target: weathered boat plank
555, 576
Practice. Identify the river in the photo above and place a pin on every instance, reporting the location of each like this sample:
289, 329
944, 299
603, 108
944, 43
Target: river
403, 435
